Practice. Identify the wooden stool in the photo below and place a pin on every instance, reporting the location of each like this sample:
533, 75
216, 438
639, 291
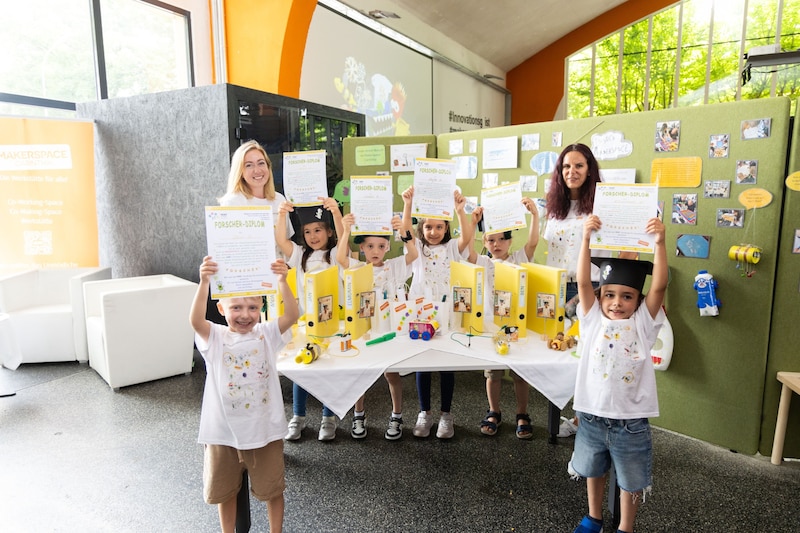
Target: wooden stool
791, 382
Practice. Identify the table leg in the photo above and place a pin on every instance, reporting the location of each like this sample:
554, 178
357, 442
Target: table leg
553, 421
243, 506
780, 425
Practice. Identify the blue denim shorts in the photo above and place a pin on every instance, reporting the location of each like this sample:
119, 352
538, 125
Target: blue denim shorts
627, 444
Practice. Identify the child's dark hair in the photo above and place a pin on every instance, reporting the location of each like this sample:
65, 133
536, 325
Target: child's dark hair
307, 250
421, 232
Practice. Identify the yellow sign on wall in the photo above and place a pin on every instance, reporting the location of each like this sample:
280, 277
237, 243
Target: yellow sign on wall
676, 171
48, 212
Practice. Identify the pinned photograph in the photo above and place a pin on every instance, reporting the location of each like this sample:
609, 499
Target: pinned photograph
730, 218
756, 129
718, 145
796, 245
684, 209
530, 141
717, 189
529, 183
696, 246
557, 136
746, 172
668, 136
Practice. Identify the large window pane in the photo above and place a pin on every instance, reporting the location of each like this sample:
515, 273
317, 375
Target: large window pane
662, 59
634, 68
762, 23
579, 84
726, 46
146, 48
47, 50
694, 52
789, 75
606, 76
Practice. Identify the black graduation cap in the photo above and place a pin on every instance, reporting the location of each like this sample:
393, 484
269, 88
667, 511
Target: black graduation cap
628, 272
306, 215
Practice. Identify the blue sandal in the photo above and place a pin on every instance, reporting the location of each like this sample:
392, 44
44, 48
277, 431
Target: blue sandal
524, 431
489, 427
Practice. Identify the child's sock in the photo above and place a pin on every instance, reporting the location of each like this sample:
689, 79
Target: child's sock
358, 413
397, 415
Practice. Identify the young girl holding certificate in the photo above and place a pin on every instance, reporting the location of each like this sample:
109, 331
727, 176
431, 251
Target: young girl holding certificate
318, 252
432, 269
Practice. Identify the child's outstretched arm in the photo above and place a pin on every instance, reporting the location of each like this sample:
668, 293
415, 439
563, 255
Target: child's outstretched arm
477, 215
411, 248
197, 315
658, 282
290, 310
465, 222
584, 270
333, 206
533, 230
284, 244
343, 250
408, 196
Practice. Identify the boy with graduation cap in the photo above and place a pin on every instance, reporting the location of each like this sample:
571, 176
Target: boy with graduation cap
615, 391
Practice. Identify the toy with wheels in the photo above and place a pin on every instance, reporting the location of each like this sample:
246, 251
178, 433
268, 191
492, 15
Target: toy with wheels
422, 329
662, 349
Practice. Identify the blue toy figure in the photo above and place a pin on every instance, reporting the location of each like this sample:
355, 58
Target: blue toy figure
706, 285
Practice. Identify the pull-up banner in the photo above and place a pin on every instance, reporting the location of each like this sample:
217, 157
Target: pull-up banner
48, 213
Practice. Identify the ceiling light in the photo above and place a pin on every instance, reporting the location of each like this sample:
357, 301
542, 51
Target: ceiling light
381, 14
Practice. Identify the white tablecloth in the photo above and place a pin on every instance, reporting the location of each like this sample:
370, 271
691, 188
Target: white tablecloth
339, 379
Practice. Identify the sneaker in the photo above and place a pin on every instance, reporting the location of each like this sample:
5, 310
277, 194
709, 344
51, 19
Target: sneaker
589, 525
567, 428
327, 429
395, 429
424, 424
445, 429
359, 429
571, 471
296, 425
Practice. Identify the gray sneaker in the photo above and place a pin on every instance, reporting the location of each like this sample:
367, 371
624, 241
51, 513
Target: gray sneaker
445, 429
296, 425
359, 429
395, 429
327, 430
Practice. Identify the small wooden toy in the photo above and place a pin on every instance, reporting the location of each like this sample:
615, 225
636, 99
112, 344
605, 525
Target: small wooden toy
424, 330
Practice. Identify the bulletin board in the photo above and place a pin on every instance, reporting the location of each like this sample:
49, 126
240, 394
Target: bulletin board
714, 388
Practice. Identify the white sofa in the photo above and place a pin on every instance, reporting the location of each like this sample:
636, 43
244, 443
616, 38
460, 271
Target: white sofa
138, 328
44, 319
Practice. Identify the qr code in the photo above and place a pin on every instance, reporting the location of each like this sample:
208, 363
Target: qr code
38, 242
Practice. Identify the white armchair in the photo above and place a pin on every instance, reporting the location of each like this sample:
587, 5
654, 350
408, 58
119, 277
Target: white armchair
43, 316
138, 328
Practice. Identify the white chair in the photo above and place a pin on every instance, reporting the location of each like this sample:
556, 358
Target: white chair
43, 317
138, 328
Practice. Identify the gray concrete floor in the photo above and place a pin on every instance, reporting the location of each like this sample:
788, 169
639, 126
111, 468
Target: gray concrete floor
76, 456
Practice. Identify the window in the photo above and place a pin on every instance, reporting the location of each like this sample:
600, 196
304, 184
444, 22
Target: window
688, 54
49, 51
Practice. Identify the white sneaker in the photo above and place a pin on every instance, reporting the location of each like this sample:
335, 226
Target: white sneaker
395, 429
424, 424
359, 429
567, 428
296, 425
445, 429
327, 430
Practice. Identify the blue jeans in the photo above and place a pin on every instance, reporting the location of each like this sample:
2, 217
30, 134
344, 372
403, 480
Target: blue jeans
447, 383
627, 444
299, 400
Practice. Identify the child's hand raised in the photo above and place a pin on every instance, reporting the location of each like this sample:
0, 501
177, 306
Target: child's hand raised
656, 227
408, 194
477, 215
460, 201
207, 269
329, 203
280, 269
397, 223
592, 224
285, 207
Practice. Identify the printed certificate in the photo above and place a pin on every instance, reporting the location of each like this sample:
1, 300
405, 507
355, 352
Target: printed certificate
624, 211
241, 240
434, 184
371, 203
502, 208
304, 178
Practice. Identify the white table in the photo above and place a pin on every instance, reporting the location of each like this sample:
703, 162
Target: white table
10, 356
338, 379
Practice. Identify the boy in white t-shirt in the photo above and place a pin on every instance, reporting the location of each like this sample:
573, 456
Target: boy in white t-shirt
615, 390
242, 421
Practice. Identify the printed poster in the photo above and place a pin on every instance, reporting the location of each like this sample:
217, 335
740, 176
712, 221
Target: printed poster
304, 177
371, 204
434, 185
624, 211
